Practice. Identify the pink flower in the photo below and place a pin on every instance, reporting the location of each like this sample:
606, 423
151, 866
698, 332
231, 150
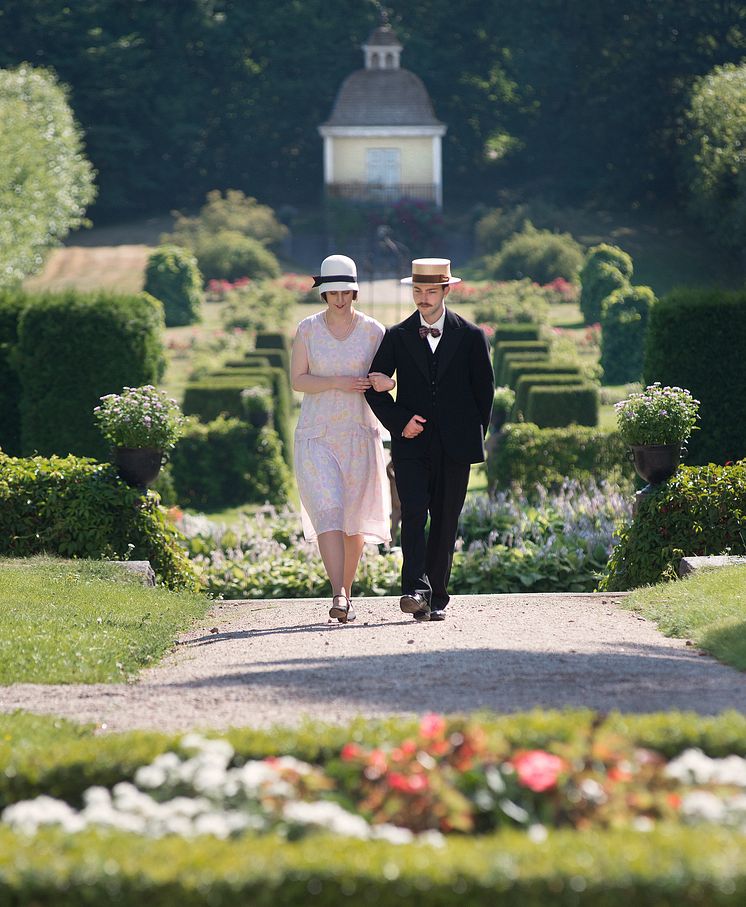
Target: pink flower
350, 751
537, 770
432, 726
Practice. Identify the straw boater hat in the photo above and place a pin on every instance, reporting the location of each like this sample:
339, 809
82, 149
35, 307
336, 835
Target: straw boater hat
431, 271
338, 273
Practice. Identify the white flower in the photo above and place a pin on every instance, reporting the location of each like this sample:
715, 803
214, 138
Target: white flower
28, 816
391, 833
704, 806
327, 815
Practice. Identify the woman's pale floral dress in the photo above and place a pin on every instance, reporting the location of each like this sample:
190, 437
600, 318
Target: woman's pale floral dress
339, 459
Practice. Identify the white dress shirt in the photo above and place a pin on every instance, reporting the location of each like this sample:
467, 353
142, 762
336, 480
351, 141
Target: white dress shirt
439, 324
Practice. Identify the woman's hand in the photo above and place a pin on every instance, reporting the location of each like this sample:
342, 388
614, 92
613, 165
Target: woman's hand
351, 384
380, 382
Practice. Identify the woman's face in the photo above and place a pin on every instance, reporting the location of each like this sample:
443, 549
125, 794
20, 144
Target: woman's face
339, 300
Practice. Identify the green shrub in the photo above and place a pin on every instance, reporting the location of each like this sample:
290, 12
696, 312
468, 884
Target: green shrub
516, 370
527, 455
259, 306
521, 331
554, 406
172, 276
212, 396
606, 268
624, 320
696, 339
511, 359
229, 462
526, 382
12, 303
229, 255
516, 346
700, 511
538, 254
514, 302
75, 507
277, 358
497, 225
271, 340
72, 349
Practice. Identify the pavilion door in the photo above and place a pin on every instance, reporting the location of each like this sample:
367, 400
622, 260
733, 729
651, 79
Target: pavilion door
384, 171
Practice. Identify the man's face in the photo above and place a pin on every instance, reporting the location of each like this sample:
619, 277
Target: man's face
430, 300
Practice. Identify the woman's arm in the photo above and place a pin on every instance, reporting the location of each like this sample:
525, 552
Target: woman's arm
302, 380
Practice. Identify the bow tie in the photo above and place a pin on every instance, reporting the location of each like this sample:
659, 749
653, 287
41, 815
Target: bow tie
424, 331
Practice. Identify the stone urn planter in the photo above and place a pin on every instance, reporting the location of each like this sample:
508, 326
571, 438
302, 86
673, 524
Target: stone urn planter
139, 466
656, 463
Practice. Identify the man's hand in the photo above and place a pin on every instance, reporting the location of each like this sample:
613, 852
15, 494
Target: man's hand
351, 384
381, 382
414, 427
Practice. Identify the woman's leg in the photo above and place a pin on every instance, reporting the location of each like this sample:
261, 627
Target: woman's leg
353, 545
333, 550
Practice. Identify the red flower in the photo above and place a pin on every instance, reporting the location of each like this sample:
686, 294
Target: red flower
350, 751
537, 770
432, 726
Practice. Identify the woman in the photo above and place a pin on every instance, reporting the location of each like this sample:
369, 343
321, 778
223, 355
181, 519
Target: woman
339, 460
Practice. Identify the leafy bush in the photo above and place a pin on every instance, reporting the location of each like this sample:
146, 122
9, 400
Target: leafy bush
502, 404
511, 358
415, 223
657, 415
79, 508
233, 212
526, 382
72, 349
172, 276
529, 455
699, 511
271, 340
516, 331
514, 301
516, 346
498, 225
213, 396
516, 370
140, 417
553, 406
713, 173
696, 339
229, 462
606, 269
229, 254
11, 305
258, 407
45, 180
260, 306
538, 254
624, 320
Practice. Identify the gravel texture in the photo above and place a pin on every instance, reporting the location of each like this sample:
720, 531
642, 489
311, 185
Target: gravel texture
260, 663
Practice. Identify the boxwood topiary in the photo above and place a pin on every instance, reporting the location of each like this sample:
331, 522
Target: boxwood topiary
526, 382
516, 331
227, 463
554, 406
172, 276
272, 340
214, 395
696, 339
516, 370
12, 303
511, 359
624, 320
701, 510
72, 349
517, 346
76, 507
607, 268
529, 455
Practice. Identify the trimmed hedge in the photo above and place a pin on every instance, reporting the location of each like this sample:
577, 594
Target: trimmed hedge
510, 359
72, 349
554, 406
12, 303
517, 346
212, 396
700, 511
75, 507
227, 463
607, 268
528, 455
271, 340
512, 331
624, 320
172, 276
526, 382
517, 370
696, 339
277, 358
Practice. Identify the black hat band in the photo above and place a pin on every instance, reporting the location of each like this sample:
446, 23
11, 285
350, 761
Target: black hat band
333, 278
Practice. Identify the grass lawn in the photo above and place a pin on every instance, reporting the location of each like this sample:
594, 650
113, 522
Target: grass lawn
84, 621
709, 608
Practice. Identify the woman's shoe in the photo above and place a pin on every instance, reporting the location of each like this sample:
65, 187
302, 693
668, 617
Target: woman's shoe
341, 609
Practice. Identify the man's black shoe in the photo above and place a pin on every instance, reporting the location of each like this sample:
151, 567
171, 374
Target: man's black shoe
414, 603
438, 615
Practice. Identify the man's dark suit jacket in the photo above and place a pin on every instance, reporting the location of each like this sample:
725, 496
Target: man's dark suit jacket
459, 404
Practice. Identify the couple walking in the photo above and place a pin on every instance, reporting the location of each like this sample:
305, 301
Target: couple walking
343, 362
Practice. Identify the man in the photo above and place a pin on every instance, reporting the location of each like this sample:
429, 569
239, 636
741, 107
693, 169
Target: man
438, 422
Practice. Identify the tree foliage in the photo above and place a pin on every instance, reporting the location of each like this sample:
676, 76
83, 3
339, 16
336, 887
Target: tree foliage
45, 180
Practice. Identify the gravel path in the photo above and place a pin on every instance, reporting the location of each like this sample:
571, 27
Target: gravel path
276, 662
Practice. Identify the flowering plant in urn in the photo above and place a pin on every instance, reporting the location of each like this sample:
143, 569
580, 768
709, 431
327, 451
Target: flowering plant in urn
140, 417
657, 415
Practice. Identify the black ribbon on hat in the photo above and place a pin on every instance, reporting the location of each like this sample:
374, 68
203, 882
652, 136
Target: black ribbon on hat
333, 278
